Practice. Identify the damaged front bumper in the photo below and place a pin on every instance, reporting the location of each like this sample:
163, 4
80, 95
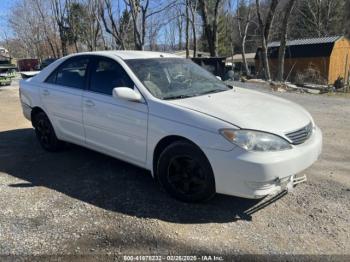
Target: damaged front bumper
276, 186
258, 174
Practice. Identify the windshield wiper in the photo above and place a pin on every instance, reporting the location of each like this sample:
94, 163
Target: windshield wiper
176, 97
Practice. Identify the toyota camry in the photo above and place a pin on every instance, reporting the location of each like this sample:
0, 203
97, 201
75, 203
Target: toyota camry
197, 135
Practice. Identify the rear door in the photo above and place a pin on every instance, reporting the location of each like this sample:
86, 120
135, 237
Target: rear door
61, 95
115, 126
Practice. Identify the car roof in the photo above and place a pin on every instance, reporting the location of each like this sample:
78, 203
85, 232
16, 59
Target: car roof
130, 54
124, 54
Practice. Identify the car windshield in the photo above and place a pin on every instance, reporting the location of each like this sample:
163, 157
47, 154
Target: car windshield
175, 78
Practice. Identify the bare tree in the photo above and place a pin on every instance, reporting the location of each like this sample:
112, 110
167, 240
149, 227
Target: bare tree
347, 19
113, 24
179, 23
244, 21
284, 29
265, 27
187, 14
24, 22
190, 23
94, 27
193, 6
39, 6
169, 36
317, 18
210, 22
153, 29
60, 9
140, 12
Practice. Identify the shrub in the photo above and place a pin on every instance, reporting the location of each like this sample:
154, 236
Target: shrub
310, 75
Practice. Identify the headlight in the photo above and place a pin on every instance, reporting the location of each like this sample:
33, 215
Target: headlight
255, 140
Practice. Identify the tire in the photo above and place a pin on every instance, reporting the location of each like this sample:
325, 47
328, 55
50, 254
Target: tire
46, 134
185, 172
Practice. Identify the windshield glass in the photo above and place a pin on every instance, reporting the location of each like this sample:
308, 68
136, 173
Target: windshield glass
174, 78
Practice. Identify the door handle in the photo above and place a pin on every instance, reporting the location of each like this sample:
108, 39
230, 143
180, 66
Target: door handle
46, 92
89, 103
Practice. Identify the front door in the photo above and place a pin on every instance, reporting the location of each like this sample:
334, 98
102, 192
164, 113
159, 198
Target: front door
115, 126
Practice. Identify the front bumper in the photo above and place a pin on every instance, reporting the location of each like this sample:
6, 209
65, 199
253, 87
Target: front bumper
257, 174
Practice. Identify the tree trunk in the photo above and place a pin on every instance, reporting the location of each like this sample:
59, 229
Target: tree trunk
265, 60
194, 41
210, 29
59, 16
232, 53
245, 64
111, 26
63, 41
282, 48
207, 27
187, 30
45, 29
194, 32
180, 38
76, 46
243, 40
265, 32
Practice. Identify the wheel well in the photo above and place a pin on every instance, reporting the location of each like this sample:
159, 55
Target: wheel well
162, 144
34, 112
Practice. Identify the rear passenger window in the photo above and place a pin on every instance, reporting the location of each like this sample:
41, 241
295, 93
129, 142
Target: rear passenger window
71, 73
108, 74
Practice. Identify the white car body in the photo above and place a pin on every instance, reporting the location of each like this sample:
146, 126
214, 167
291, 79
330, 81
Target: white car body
131, 130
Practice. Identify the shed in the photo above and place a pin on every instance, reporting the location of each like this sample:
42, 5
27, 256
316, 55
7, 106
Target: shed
215, 65
330, 56
237, 62
182, 53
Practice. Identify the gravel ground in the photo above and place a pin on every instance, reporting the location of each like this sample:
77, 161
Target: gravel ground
82, 202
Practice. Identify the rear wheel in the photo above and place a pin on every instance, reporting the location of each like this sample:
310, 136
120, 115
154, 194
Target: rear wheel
185, 172
45, 133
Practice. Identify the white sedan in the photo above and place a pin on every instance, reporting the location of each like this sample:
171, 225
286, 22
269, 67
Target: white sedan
166, 114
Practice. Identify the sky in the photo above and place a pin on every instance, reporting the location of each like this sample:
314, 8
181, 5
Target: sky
4, 8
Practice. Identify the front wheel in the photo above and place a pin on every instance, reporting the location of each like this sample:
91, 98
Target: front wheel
185, 172
45, 133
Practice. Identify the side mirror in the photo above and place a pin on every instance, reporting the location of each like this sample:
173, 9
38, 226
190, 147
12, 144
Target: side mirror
127, 93
219, 77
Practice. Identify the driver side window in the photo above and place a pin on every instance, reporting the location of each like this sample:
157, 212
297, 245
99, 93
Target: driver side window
107, 74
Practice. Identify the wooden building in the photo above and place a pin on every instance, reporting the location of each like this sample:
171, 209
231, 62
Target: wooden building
236, 62
330, 56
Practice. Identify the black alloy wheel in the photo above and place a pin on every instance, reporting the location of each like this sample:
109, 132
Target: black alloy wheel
185, 172
186, 175
45, 133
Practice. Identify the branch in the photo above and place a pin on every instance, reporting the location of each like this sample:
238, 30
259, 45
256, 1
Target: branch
171, 4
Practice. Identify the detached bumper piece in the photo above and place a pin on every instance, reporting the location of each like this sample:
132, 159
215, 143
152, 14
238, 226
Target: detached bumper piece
298, 180
274, 197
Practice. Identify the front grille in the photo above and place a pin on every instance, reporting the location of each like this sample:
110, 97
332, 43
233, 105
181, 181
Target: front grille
301, 135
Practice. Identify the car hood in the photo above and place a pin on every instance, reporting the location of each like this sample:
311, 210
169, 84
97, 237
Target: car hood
250, 110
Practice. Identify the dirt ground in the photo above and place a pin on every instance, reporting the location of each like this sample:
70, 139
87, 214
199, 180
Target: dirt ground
82, 202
